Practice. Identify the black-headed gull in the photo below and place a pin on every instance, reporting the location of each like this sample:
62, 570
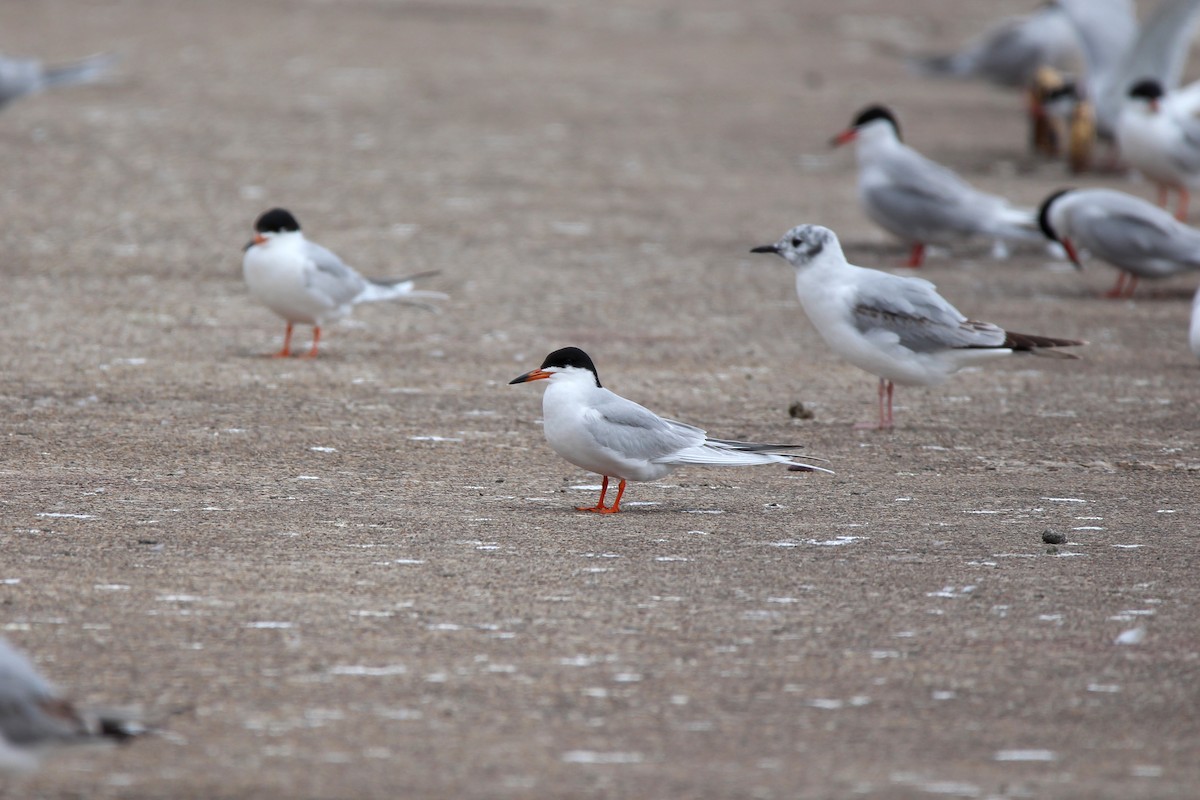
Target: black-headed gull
1159, 136
898, 328
33, 715
23, 76
1135, 236
920, 201
602, 432
304, 283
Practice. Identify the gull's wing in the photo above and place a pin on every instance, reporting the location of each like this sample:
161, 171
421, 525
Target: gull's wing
328, 275
920, 319
635, 431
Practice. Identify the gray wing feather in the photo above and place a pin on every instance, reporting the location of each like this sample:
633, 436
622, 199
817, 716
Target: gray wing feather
331, 276
637, 432
922, 194
920, 318
1126, 237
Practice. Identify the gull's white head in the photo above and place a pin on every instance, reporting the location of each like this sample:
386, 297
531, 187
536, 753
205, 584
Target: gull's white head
804, 244
272, 224
569, 363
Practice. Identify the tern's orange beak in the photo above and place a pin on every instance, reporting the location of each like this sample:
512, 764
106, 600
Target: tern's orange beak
260, 239
532, 375
847, 135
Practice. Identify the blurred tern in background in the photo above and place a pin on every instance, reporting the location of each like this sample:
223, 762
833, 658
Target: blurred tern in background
602, 432
1012, 51
24, 76
1118, 53
898, 328
1159, 136
920, 201
305, 283
34, 716
1138, 238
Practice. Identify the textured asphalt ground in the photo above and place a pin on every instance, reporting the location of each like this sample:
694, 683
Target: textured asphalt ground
361, 576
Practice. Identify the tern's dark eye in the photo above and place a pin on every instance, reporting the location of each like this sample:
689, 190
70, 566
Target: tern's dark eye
797, 242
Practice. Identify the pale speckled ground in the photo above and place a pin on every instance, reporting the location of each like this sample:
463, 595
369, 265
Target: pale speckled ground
581, 173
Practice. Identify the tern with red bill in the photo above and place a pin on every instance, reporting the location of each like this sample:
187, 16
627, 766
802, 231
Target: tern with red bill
304, 283
920, 201
602, 432
1135, 236
1159, 136
898, 328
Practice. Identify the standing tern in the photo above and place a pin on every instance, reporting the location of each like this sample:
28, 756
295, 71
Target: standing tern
305, 283
1159, 136
33, 714
920, 201
1137, 237
898, 328
602, 432
24, 76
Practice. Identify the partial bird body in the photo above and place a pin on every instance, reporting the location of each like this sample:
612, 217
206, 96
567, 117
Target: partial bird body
34, 715
897, 328
25, 76
1011, 52
308, 284
602, 432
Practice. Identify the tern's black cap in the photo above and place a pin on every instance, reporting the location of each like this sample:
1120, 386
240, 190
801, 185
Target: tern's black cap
569, 357
872, 113
1044, 214
1147, 88
277, 220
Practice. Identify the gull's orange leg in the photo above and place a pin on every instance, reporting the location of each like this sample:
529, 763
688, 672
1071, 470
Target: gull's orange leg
599, 507
312, 353
885, 409
889, 420
287, 344
917, 256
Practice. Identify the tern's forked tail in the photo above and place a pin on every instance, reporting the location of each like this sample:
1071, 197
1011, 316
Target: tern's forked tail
401, 290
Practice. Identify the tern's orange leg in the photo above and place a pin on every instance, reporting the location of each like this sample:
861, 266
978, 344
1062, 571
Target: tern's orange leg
616, 506
599, 507
1182, 208
287, 344
1119, 288
916, 257
312, 353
